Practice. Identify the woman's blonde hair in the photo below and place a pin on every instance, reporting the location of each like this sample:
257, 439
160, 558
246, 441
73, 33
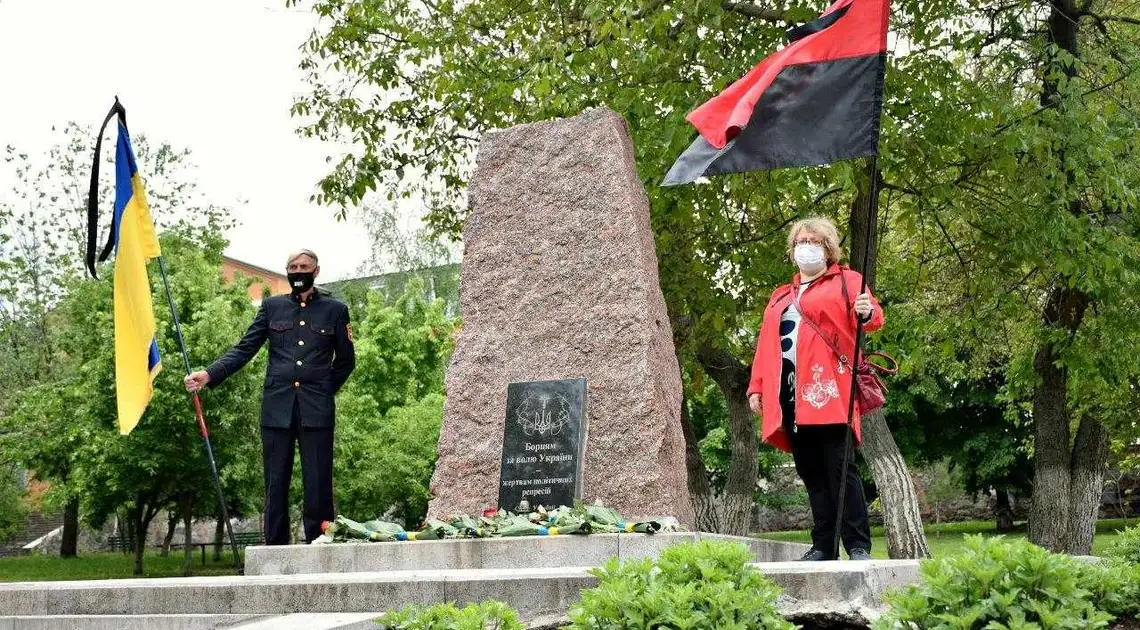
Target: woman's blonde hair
825, 230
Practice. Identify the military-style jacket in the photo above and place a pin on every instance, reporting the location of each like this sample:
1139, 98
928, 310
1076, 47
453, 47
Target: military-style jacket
310, 357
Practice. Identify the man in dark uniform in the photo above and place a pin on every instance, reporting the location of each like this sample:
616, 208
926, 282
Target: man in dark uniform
310, 357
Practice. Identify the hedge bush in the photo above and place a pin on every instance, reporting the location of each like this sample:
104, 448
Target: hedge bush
489, 615
1001, 584
702, 586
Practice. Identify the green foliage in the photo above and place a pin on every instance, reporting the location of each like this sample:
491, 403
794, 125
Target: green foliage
716, 454
947, 415
44, 231
402, 348
942, 484
707, 585
489, 615
56, 341
707, 412
163, 456
997, 583
383, 464
65, 427
1115, 587
391, 409
992, 204
1127, 546
12, 507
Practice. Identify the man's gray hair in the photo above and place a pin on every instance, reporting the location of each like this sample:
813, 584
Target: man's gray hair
302, 252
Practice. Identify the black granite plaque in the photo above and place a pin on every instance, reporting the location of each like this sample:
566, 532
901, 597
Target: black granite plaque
543, 444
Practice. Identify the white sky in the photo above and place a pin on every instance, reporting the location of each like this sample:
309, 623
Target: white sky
214, 76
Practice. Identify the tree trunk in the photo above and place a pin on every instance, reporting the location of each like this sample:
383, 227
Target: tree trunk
902, 517
1090, 452
701, 496
1052, 499
171, 526
1067, 480
139, 518
700, 491
138, 532
732, 377
219, 539
1003, 512
129, 519
1051, 516
186, 507
69, 544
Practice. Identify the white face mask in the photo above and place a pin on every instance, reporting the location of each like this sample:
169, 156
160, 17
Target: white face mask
809, 257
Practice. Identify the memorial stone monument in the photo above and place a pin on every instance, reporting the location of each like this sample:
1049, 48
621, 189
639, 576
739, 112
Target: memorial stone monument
559, 281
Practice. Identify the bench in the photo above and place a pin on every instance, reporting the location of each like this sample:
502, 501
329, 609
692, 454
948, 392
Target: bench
121, 543
200, 545
242, 539
248, 539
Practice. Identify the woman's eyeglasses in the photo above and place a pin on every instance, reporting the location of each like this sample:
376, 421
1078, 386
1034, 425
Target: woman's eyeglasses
809, 241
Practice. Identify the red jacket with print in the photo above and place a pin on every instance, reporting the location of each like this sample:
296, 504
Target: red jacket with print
821, 390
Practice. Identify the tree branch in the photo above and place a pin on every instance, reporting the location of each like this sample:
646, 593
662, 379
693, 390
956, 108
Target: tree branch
826, 194
1114, 18
756, 11
885, 185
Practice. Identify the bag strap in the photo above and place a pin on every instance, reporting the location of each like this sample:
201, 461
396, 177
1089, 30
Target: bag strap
846, 295
894, 369
866, 359
803, 316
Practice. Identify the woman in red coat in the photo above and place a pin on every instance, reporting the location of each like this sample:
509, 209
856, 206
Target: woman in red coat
800, 386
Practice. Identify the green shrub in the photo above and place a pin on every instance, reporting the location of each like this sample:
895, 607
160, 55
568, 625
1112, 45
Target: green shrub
998, 584
690, 587
1127, 546
1115, 587
489, 615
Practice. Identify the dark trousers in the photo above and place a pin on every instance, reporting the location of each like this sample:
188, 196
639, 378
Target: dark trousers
818, 454
316, 473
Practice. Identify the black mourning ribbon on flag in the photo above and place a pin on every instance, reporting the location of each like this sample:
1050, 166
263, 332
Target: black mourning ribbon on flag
117, 110
817, 25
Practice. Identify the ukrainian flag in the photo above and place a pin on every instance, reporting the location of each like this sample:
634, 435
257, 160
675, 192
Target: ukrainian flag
136, 352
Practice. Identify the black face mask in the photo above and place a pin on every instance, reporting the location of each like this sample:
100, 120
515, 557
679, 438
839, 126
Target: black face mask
301, 281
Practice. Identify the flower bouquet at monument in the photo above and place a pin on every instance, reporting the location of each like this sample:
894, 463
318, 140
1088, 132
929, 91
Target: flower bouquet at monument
604, 520
385, 530
580, 519
506, 525
344, 529
566, 520
440, 529
465, 527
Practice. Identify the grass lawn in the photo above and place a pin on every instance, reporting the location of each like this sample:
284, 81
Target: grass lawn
103, 566
946, 538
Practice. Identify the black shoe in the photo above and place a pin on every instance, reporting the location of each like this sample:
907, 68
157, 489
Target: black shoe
859, 554
815, 555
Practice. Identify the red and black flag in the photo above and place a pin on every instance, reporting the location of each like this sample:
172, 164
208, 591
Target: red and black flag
814, 102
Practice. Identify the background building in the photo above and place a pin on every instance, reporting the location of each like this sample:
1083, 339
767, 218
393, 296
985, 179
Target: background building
266, 283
